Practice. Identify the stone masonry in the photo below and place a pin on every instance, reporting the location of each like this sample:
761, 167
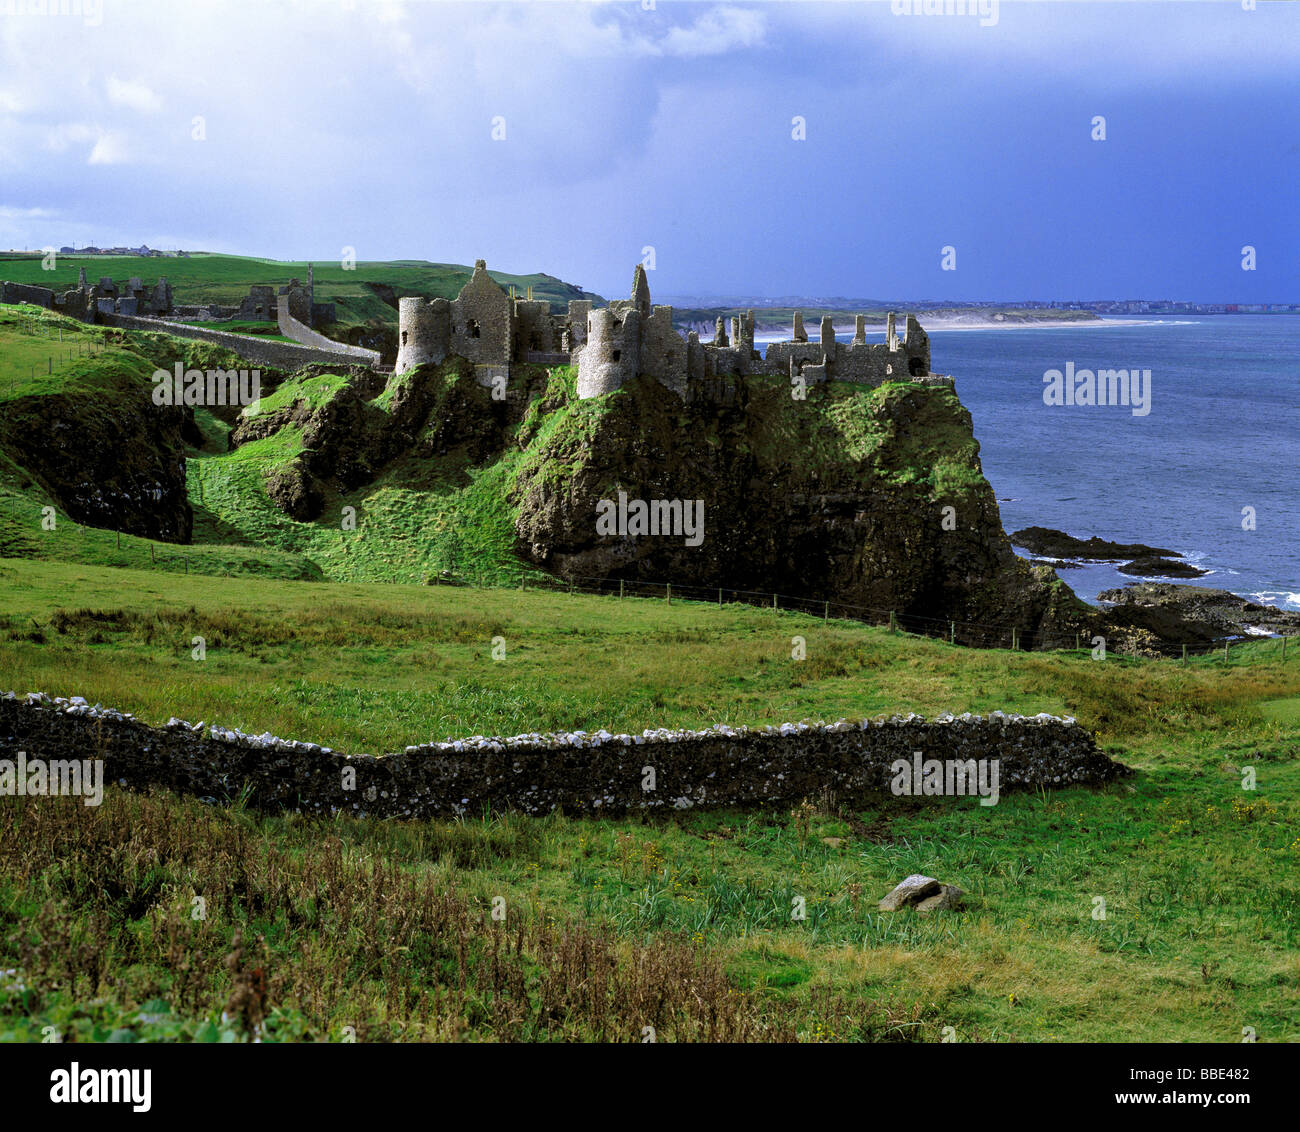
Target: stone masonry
633, 336
581, 773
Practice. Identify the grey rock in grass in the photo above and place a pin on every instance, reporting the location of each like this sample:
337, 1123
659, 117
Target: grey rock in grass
949, 896
909, 891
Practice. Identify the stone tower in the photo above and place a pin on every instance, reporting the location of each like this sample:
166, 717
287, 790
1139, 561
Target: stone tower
423, 332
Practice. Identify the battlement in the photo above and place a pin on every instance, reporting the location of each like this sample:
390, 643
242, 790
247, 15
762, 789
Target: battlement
631, 337
702, 368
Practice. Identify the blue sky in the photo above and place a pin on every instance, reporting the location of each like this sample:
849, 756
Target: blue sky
370, 126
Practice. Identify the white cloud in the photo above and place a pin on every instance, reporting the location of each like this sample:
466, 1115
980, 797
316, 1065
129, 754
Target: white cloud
9, 212
134, 96
110, 149
716, 32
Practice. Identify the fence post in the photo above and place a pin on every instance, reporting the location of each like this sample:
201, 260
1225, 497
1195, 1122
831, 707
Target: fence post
774, 601
719, 595
893, 622
952, 632
119, 540
668, 592
826, 616
1184, 656
152, 560
1226, 645
620, 589
1015, 639
1283, 650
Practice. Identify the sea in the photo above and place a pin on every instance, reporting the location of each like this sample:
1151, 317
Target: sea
1211, 471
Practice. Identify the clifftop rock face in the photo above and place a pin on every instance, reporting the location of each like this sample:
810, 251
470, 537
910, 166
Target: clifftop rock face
105, 453
841, 496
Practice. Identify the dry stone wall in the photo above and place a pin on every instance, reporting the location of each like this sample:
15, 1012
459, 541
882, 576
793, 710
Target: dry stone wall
594, 773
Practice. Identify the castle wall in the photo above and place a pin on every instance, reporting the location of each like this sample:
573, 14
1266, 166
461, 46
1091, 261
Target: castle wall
917, 348
280, 355
780, 354
663, 352
296, 299
23, 293
534, 332
160, 301
77, 303
579, 312
869, 363
291, 327
259, 303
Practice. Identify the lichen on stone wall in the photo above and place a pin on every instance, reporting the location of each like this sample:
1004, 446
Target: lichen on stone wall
593, 773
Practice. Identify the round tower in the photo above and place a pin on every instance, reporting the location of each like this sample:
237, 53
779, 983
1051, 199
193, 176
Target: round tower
612, 353
423, 332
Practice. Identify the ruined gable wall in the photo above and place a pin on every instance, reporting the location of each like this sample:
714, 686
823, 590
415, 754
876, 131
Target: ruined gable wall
533, 329
482, 321
917, 348
663, 353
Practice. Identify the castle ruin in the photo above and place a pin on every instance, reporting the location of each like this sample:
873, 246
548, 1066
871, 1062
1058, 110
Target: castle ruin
631, 337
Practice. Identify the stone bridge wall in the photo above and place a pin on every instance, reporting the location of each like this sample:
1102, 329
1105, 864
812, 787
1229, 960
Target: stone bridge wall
583, 773
280, 355
299, 331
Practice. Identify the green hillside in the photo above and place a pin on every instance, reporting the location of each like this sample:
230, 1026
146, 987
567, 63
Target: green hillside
205, 278
677, 921
384, 926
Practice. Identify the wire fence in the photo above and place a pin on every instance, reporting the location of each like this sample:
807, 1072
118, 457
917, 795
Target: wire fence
974, 634
971, 634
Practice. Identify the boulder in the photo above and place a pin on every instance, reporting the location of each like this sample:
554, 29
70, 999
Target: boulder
949, 896
909, 891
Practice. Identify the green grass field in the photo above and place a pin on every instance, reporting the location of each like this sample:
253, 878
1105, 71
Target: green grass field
206, 278
326, 929
1199, 939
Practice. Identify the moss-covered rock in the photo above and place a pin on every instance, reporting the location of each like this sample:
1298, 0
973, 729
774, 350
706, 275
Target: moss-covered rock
869, 497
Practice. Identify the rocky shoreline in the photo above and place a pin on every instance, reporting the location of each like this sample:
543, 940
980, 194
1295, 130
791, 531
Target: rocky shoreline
1143, 561
1218, 612
1175, 613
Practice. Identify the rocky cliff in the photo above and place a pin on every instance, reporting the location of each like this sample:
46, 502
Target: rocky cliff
869, 497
